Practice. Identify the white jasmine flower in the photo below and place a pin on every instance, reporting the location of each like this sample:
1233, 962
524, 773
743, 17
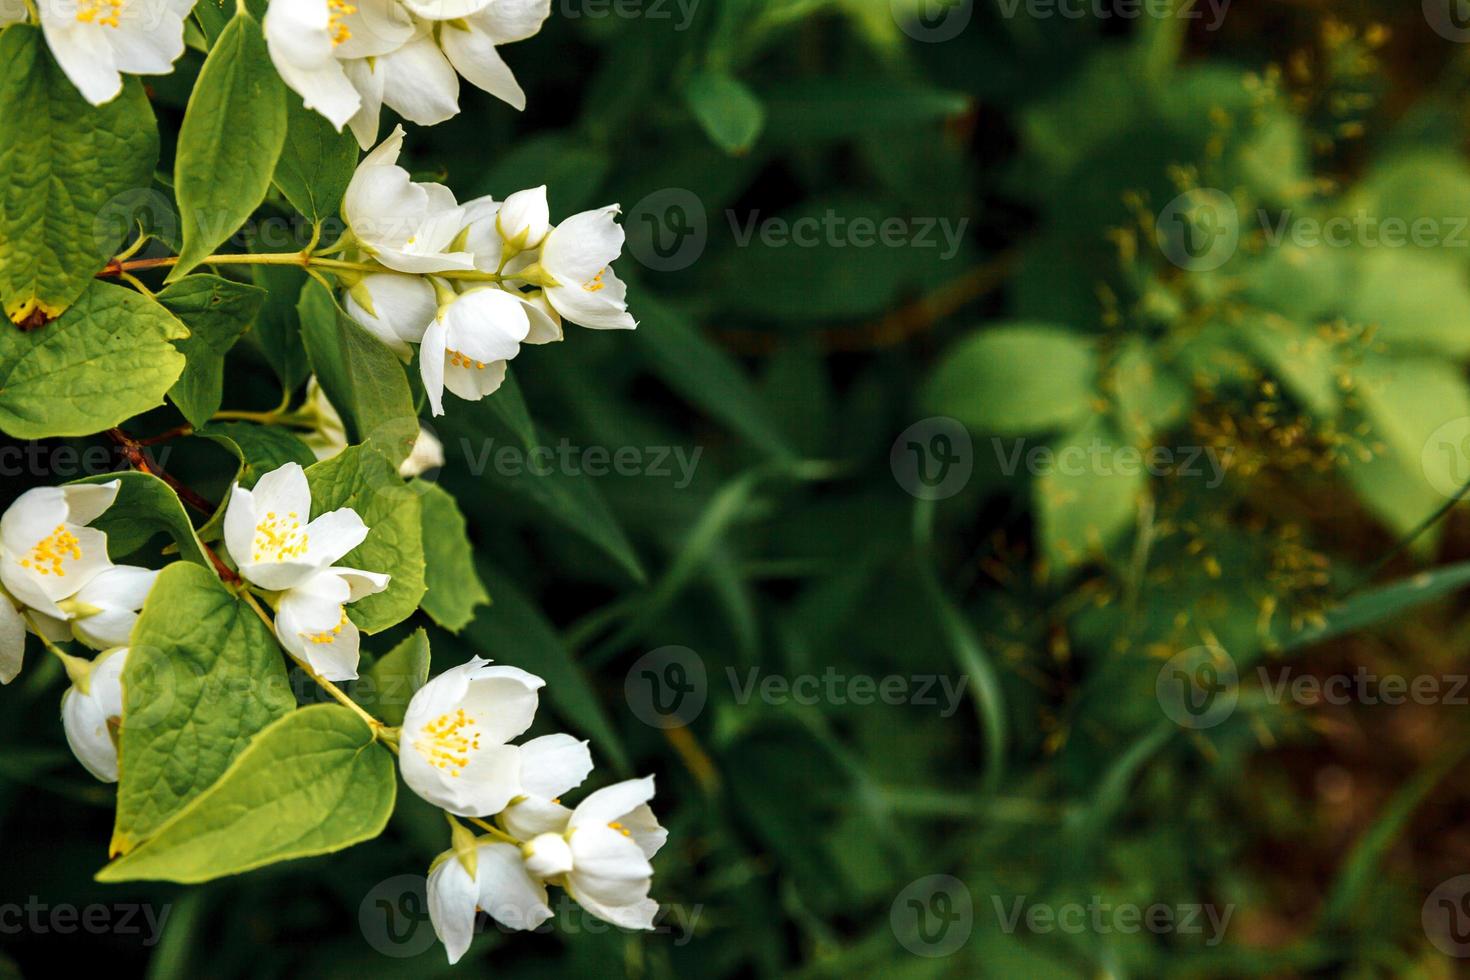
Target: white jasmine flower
269, 535
467, 345
393, 307
312, 622
103, 611
96, 42
406, 226
500, 885
551, 766
602, 856
321, 49
91, 710
453, 749
47, 552
470, 44
576, 258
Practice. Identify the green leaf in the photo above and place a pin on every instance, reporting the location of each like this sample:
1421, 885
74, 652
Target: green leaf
363, 379
216, 311
1087, 499
278, 327
707, 376
105, 360
389, 684
1419, 303
232, 134
145, 505
65, 165
1376, 605
362, 479
1414, 468
1015, 379
1306, 361
515, 631
1150, 397
312, 783
204, 675
454, 590
727, 109
316, 162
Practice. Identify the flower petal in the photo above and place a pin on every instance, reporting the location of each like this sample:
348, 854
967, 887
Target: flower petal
503, 700
432, 355
453, 895
612, 803
85, 502
472, 53
12, 640
507, 891
419, 83
332, 535
553, 765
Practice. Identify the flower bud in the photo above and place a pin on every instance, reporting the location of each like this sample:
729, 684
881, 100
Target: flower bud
524, 219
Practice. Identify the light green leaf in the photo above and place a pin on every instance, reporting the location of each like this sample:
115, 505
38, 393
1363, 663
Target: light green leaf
1419, 303
65, 164
363, 379
145, 505
1015, 379
204, 675
216, 311
1087, 499
105, 360
312, 783
727, 109
316, 162
1307, 361
363, 480
389, 684
232, 134
454, 590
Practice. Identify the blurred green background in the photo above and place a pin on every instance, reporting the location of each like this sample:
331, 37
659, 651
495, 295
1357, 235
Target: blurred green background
909, 684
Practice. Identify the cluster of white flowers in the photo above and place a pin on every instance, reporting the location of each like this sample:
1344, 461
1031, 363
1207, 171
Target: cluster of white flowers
349, 58
59, 582
431, 249
455, 752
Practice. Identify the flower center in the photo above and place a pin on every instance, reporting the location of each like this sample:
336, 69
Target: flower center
51, 551
103, 13
328, 636
596, 285
456, 359
278, 539
335, 26
448, 740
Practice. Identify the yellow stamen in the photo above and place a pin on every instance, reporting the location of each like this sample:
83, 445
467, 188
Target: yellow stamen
596, 284
328, 636
278, 539
456, 359
103, 13
448, 741
50, 552
338, 9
